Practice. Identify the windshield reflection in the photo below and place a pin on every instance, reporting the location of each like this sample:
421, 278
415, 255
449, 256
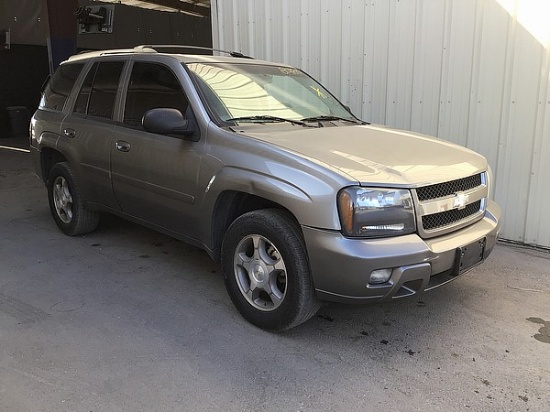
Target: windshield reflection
240, 91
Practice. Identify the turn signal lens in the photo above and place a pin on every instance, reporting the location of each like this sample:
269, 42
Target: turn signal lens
345, 205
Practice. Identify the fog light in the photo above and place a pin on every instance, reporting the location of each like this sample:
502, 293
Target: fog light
380, 276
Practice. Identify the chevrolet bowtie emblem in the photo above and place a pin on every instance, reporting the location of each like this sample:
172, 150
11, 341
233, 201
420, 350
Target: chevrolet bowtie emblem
460, 200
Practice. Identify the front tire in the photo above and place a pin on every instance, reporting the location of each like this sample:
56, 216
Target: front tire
266, 270
68, 210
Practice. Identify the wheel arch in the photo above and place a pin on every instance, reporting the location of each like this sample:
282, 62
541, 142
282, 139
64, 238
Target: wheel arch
234, 191
49, 157
232, 204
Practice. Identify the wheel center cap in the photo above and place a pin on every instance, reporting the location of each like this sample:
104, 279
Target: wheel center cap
258, 272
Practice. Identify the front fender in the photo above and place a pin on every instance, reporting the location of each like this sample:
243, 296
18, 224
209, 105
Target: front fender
311, 200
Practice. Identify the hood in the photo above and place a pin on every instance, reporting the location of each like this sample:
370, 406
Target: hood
374, 154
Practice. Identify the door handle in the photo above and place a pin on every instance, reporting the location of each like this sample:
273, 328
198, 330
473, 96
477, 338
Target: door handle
69, 133
122, 146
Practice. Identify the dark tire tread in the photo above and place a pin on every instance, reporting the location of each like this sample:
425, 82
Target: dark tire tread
283, 230
83, 221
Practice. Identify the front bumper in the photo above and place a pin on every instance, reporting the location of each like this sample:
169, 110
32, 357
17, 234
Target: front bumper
341, 267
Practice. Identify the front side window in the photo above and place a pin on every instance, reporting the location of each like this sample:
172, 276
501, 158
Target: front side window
244, 90
60, 85
152, 86
97, 95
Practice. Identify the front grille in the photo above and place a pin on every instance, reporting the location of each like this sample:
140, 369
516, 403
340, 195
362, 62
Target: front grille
448, 188
450, 217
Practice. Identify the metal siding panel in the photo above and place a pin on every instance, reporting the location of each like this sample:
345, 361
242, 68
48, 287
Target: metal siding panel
401, 64
286, 33
264, 28
260, 28
518, 128
538, 219
366, 109
488, 79
273, 16
331, 32
296, 40
248, 40
522, 123
304, 38
457, 71
313, 51
427, 66
357, 59
345, 78
380, 14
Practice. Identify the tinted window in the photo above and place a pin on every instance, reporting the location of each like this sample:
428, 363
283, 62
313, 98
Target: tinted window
98, 93
152, 86
60, 85
81, 105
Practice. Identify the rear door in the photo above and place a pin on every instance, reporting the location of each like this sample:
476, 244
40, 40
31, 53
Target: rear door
88, 132
155, 176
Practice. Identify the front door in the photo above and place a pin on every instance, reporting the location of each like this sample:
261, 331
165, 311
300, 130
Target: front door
155, 176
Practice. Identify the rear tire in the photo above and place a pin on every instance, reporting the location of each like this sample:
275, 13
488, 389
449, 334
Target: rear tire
68, 210
266, 270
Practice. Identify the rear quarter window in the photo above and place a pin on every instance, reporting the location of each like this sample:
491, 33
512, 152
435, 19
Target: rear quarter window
60, 85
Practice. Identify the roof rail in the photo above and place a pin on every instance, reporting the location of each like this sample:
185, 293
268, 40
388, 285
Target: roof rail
95, 53
159, 47
152, 49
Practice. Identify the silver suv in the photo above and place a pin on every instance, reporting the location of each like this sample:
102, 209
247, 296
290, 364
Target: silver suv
259, 165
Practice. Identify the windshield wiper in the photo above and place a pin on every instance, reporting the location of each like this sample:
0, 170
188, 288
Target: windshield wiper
264, 118
328, 118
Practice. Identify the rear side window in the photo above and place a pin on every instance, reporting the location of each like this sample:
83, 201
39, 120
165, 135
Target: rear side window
60, 85
152, 86
98, 93
81, 105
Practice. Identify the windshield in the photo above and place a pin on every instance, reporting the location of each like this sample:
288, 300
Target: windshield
254, 92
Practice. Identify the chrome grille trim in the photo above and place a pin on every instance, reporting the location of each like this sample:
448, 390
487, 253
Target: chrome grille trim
442, 219
458, 203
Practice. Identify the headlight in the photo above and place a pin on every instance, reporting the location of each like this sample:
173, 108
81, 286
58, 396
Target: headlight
376, 212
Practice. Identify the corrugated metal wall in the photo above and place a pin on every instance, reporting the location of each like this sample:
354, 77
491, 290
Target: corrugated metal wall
475, 72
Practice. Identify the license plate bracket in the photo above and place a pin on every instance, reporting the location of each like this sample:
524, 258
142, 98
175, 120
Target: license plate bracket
469, 256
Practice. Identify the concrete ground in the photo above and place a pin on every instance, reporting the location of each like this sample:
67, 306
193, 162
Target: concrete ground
126, 319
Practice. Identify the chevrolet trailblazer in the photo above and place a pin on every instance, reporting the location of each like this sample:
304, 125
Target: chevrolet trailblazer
262, 167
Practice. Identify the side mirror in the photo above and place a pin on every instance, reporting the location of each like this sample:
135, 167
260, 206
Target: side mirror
167, 121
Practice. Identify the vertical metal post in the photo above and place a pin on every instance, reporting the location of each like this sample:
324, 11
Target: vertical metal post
62, 30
